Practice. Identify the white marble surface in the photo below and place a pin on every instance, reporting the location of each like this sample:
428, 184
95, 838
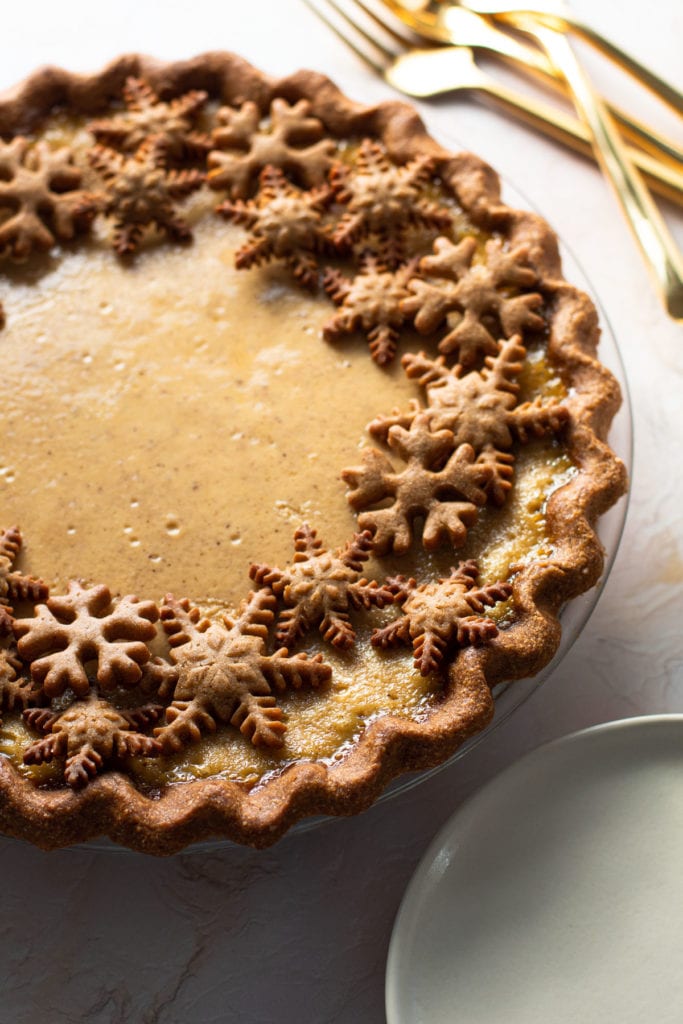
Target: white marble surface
300, 932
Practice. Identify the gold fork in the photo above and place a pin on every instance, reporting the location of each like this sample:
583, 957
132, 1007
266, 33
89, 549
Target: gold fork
388, 50
647, 225
656, 244
557, 15
449, 23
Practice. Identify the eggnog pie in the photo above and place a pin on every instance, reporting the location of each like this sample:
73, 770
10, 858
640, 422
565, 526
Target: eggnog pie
303, 447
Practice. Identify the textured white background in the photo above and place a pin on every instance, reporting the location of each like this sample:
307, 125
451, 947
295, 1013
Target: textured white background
300, 933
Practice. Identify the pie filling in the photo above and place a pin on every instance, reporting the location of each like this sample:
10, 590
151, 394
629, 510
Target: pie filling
170, 421
177, 420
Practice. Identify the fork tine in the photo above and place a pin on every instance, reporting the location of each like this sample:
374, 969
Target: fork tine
365, 46
390, 24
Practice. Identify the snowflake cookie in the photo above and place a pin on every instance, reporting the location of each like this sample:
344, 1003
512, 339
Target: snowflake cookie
320, 588
437, 614
172, 123
89, 734
225, 673
71, 631
479, 292
294, 142
41, 199
139, 192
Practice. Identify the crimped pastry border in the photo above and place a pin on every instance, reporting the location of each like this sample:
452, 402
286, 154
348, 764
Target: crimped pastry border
185, 813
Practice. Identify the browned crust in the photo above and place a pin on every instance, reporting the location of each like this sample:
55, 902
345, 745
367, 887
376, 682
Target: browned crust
188, 812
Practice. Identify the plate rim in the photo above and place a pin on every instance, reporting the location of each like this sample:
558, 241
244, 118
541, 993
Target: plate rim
411, 898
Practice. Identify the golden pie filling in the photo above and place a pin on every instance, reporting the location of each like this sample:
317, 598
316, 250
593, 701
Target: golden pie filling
170, 421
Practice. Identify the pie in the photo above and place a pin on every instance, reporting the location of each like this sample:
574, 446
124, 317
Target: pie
303, 448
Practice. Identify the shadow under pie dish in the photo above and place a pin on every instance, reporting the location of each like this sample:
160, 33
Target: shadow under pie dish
304, 432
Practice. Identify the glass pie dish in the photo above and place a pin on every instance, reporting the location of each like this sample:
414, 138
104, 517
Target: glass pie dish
489, 475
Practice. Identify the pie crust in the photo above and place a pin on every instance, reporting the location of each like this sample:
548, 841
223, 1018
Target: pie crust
165, 821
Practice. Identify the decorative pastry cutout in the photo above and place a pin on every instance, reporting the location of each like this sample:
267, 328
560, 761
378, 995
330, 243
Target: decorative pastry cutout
479, 291
226, 675
284, 224
385, 201
294, 142
139, 192
371, 301
90, 733
83, 626
319, 588
41, 198
436, 615
15, 586
171, 123
441, 484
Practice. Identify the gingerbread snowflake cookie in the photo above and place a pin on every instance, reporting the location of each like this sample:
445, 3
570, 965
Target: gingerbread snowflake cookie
372, 302
82, 626
437, 614
17, 691
284, 222
294, 142
89, 735
138, 191
384, 202
226, 675
15, 586
173, 124
41, 198
320, 588
476, 293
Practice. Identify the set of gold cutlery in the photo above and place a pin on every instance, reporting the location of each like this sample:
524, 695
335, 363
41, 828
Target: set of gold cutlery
427, 48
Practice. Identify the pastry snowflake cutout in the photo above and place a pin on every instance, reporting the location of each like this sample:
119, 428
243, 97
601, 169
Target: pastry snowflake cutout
41, 201
90, 734
482, 409
371, 302
385, 200
478, 294
285, 224
293, 142
16, 691
441, 485
159, 678
140, 192
14, 586
226, 675
319, 588
441, 613
81, 627
171, 123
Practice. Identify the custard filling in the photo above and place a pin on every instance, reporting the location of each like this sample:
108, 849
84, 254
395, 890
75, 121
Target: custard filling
169, 422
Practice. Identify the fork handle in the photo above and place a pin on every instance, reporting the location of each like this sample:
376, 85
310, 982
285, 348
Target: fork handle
447, 27
535, 62
650, 231
564, 128
666, 92
568, 22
